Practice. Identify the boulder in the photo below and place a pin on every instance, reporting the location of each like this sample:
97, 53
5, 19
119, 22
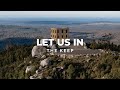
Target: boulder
29, 69
45, 62
40, 76
88, 60
54, 46
38, 51
30, 62
44, 56
49, 77
40, 68
31, 77
37, 71
54, 69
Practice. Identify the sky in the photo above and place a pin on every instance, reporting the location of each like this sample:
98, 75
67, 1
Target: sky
29, 14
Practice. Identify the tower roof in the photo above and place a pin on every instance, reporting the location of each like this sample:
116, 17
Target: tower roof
60, 28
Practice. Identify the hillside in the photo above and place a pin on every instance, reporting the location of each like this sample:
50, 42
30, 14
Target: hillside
16, 59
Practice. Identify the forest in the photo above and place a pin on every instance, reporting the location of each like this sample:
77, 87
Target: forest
14, 60
106, 46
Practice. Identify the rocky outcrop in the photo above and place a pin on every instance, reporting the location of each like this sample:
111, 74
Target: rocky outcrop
38, 51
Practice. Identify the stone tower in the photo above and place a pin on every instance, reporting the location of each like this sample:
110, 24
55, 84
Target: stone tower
59, 33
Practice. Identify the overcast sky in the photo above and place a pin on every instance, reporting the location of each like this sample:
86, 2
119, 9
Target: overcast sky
102, 14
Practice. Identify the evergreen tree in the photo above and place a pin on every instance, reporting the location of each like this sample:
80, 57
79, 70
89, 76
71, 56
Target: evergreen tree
71, 71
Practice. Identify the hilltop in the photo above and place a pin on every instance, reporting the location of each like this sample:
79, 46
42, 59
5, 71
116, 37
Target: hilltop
16, 62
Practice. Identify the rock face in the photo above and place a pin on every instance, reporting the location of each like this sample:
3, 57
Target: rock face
45, 62
38, 51
29, 69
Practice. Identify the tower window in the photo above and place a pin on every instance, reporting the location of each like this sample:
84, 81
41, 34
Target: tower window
66, 31
62, 36
57, 31
62, 31
57, 36
66, 36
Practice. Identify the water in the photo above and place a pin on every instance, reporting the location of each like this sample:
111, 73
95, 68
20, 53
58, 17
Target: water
57, 21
